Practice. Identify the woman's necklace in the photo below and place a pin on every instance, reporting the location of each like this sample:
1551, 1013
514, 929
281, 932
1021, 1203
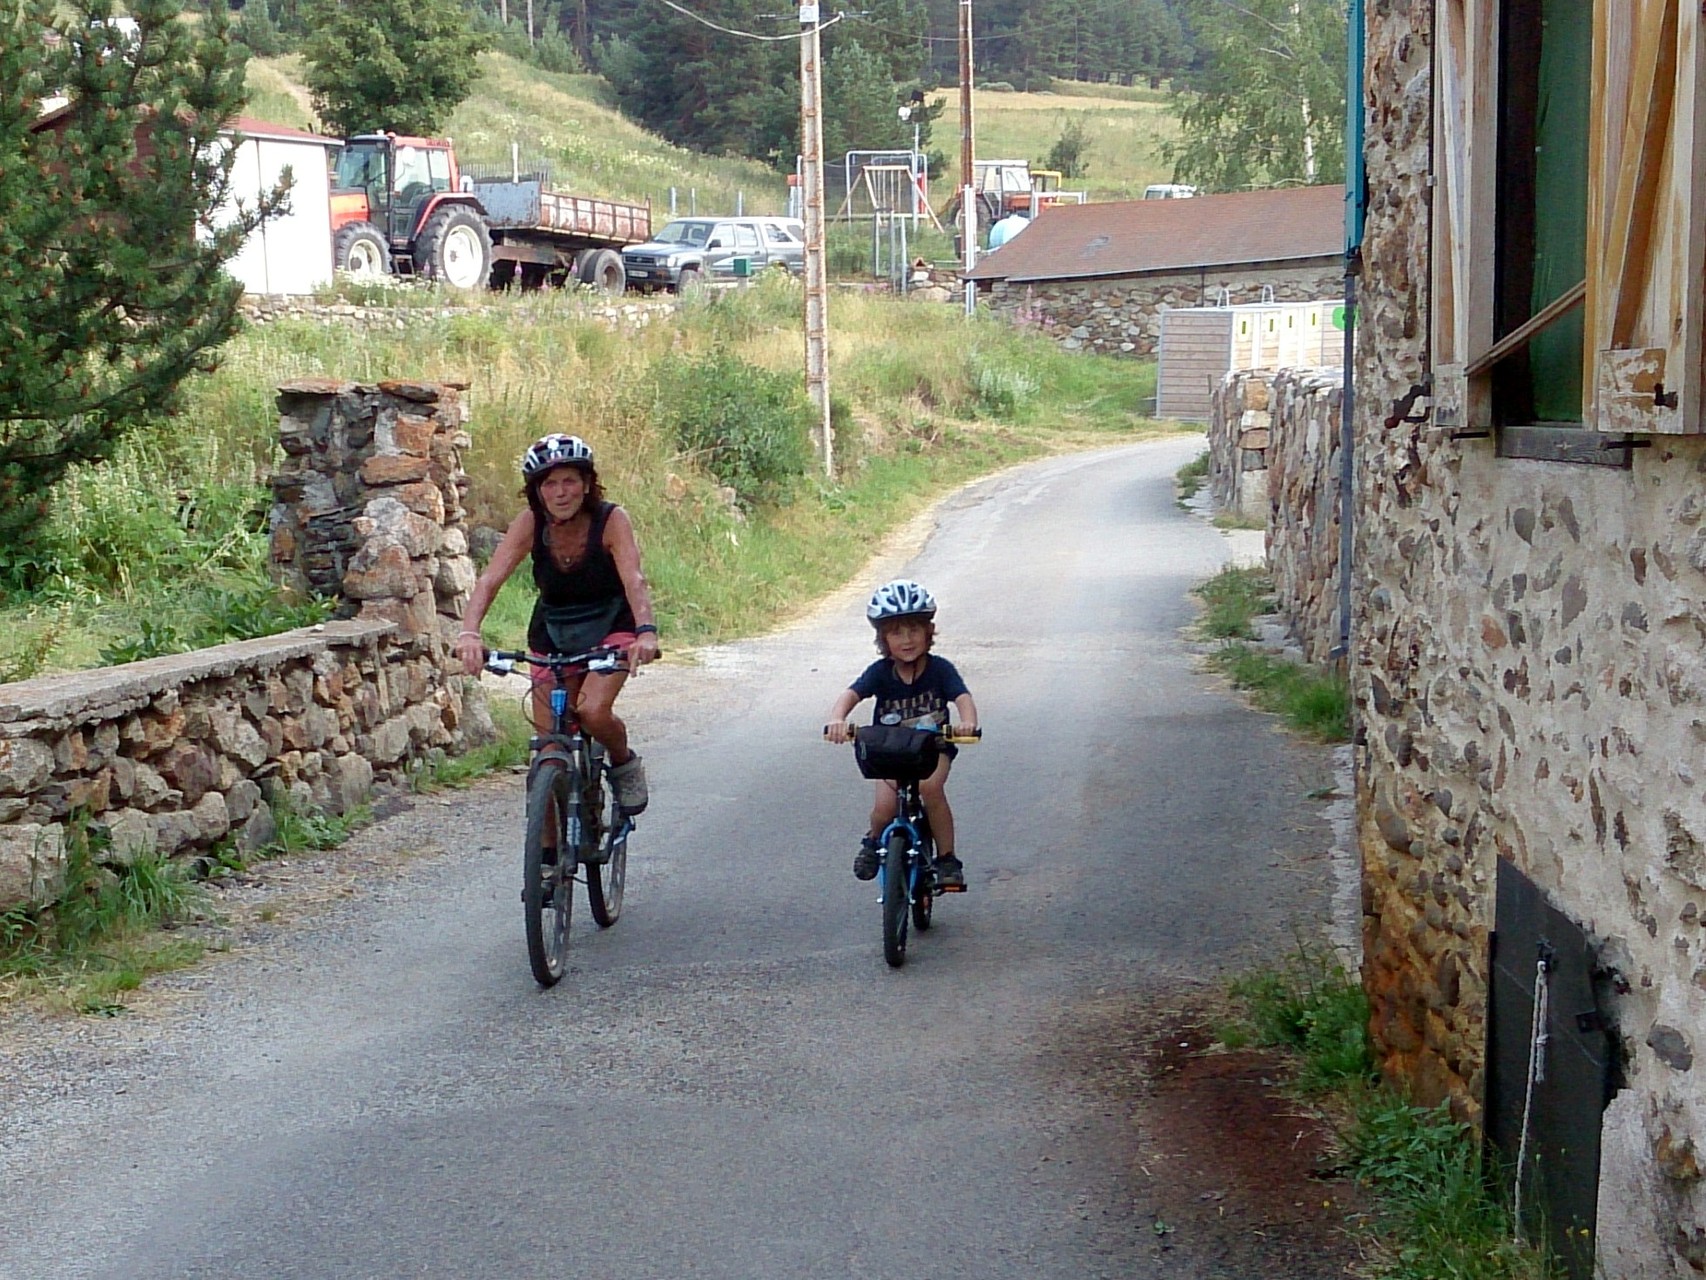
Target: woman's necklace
567, 549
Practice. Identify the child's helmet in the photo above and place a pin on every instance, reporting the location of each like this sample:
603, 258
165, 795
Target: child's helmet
555, 450
901, 598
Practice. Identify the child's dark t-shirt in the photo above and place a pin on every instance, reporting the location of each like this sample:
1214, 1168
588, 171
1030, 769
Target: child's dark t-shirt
900, 703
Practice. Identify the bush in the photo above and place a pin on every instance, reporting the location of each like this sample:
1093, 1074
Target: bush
746, 426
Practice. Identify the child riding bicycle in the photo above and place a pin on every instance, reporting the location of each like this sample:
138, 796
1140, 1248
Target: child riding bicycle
912, 686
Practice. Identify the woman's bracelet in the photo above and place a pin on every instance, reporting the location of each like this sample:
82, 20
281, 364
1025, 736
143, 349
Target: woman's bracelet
468, 633
644, 628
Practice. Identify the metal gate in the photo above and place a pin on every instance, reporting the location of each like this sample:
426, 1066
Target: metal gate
1545, 1130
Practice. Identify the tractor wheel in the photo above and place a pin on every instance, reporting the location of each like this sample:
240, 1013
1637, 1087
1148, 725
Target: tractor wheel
360, 250
603, 270
455, 247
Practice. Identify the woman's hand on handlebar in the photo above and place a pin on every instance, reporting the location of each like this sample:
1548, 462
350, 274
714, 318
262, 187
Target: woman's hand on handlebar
472, 651
644, 649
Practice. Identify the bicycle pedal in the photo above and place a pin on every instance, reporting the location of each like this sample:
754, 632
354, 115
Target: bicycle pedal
950, 888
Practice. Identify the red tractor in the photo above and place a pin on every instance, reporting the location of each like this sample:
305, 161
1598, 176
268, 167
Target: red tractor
398, 204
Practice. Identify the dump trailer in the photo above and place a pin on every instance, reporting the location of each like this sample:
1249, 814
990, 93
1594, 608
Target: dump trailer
402, 205
543, 236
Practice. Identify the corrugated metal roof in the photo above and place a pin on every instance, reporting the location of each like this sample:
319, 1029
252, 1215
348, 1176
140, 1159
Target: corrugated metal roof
1131, 237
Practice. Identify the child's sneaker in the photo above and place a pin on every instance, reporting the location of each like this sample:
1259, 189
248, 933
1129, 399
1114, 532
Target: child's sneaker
629, 779
867, 860
950, 874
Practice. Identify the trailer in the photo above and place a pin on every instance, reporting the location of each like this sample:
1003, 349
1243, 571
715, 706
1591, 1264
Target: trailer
540, 235
402, 205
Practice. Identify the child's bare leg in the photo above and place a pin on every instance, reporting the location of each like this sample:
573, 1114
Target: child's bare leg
934, 792
883, 806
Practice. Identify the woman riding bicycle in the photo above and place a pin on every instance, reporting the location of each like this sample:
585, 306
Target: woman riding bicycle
592, 592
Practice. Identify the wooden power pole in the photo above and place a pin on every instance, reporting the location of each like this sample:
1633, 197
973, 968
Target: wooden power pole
811, 182
968, 160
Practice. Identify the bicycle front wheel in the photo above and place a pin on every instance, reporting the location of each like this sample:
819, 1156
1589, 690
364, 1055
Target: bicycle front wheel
895, 903
548, 871
605, 882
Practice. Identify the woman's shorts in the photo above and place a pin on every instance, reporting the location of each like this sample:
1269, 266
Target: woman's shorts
615, 640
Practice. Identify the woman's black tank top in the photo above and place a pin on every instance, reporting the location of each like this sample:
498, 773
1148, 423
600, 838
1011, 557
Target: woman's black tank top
592, 580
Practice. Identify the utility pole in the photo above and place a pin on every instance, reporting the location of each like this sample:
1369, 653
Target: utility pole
968, 164
811, 174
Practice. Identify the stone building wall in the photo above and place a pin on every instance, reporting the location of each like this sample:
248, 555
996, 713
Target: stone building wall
174, 755
1274, 455
1530, 678
1123, 316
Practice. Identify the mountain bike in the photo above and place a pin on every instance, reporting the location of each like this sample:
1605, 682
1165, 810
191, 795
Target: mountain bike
906, 877
573, 820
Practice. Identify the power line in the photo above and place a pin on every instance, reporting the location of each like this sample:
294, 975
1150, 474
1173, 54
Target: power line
746, 35
994, 35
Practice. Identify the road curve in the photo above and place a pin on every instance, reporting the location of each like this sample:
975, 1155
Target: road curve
730, 1083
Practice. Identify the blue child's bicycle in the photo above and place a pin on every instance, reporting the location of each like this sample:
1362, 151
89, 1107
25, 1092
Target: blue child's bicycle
570, 823
906, 755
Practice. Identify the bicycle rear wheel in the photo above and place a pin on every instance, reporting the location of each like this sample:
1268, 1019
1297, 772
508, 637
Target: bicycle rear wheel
547, 871
604, 883
895, 903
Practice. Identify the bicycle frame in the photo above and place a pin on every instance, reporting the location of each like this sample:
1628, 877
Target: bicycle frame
910, 819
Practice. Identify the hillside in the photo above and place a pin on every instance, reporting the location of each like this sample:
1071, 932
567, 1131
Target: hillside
1124, 129
565, 121
570, 123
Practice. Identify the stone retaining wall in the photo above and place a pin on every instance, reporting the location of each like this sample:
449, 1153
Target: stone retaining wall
1303, 489
267, 308
173, 755
1123, 316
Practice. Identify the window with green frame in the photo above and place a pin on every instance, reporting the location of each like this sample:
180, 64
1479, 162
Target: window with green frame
1540, 249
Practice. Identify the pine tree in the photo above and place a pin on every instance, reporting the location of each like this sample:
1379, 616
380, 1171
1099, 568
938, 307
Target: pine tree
401, 65
112, 242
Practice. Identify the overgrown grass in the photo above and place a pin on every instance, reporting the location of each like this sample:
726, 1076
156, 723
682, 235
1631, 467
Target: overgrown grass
1437, 1216
166, 544
101, 935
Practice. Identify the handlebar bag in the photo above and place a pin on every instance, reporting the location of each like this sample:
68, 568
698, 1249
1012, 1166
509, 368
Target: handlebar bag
896, 752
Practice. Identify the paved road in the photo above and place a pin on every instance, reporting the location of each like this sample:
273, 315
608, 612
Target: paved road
730, 1083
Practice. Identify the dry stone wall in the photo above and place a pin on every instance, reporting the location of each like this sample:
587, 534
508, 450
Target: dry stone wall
171, 756
1530, 677
1123, 316
1274, 455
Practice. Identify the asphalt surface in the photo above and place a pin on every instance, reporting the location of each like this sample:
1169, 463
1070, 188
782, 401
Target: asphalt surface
730, 1082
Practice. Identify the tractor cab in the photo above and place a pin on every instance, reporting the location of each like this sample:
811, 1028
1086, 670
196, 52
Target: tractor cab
391, 182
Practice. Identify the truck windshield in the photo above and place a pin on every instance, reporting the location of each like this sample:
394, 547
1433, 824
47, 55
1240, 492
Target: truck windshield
360, 165
684, 233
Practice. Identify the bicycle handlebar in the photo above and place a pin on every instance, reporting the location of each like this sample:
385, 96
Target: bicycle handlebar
604, 659
955, 734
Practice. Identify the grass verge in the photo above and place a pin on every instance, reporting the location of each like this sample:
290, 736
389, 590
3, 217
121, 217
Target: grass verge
1437, 1215
1313, 702
107, 929
507, 750
1191, 477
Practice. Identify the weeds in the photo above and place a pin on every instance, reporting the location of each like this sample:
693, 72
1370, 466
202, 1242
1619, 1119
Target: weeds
1437, 1217
1315, 703
1191, 477
99, 935
509, 749
1231, 599
301, 828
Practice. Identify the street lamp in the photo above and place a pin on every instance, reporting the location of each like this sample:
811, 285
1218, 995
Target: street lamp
905, 113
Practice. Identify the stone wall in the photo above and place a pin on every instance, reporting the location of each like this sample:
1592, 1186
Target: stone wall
1123, 316
1530, 681
173, 755
260, 308
1274, 456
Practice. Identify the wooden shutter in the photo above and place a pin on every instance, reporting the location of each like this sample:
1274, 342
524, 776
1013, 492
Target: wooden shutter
1646, 224
1465, 149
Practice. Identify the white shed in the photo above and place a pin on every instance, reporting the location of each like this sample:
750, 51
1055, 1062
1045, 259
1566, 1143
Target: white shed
291, 253
1200, 345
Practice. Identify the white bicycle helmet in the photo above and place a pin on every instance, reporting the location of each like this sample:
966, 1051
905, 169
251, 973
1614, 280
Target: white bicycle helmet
554, 450
900, 599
